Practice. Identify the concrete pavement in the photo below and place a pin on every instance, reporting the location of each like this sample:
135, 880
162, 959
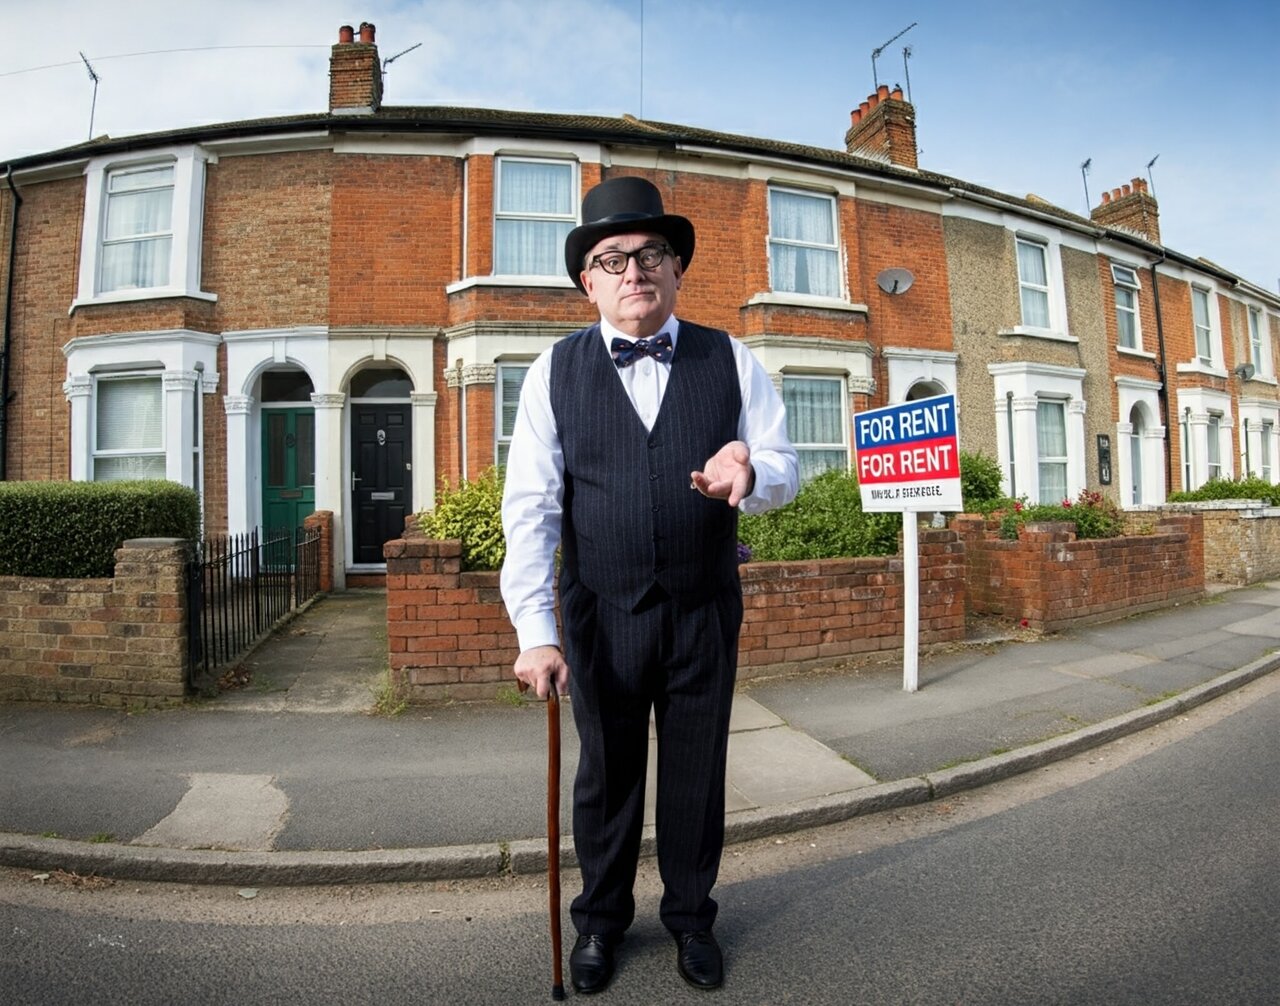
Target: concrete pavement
293, 779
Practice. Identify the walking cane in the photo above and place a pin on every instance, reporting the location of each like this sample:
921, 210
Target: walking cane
553, 836
553, 833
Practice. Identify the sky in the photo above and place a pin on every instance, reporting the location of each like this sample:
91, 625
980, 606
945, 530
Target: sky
1012, 96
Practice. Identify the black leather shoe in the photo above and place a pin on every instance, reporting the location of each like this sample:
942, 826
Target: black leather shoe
591, 963
699, 959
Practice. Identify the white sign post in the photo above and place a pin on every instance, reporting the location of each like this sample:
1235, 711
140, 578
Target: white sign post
908, 459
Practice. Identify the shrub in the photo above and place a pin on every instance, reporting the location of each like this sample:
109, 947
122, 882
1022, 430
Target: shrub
980, 479
824, 521
472, 513
1093, 515
72, 529
1252, 488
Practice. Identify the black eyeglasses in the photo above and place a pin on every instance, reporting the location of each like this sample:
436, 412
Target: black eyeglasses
649, 258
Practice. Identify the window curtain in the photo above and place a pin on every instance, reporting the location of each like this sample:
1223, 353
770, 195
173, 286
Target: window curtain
815, 424
138, 232
805, 220
1051, 448
532, 247
1033, 273
130, 426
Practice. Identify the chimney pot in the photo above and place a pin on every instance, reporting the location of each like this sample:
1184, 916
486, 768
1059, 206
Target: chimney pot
1125, 190
855, 115
863, 108
1115, 193
896, 93
366, 32
346, 34
1106, 197
1139, 184
882, 91
873, 100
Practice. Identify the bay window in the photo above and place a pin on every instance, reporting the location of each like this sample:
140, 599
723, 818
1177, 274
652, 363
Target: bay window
815, 423
1051, 450
129, 429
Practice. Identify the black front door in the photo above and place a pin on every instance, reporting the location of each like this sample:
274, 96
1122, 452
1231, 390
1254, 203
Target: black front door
382, 477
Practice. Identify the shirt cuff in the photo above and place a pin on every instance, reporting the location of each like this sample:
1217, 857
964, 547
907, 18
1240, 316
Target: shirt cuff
538, 629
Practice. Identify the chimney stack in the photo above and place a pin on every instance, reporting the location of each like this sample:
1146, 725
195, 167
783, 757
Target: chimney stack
884, 128
1132, 208
355, 73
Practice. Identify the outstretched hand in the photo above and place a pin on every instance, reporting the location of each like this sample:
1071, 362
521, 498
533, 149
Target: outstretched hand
728, 475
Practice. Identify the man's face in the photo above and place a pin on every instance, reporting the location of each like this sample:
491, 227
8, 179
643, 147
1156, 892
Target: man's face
636, 301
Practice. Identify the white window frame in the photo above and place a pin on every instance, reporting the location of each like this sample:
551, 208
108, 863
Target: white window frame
1025, 284
1259, 343
1203, 332
1213, 446
812, 447
187, 225
1266, 446
502, 435
1126, 278
1062, 461
155, 451
838, 293
570, 218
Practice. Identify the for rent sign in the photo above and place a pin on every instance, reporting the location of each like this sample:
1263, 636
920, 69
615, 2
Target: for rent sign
908, 456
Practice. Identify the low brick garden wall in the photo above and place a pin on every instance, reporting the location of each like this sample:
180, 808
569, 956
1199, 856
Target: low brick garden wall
1241, 540
120, 641
1051, 580
449, 636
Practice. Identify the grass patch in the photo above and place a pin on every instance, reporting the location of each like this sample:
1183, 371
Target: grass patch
509, 695
102, 837
387, 698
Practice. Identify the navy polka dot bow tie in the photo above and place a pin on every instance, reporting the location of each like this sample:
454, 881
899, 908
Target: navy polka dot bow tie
626, 352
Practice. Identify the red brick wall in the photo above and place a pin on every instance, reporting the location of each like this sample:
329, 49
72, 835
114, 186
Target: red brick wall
449, 636
115, 642
1052, 580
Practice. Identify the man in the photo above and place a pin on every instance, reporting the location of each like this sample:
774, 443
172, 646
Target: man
633, 457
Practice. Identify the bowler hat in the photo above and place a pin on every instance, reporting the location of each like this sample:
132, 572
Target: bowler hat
623, 206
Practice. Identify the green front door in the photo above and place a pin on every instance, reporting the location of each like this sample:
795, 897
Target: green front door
288, 468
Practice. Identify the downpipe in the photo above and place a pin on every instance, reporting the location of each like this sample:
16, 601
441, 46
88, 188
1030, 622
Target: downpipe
5, 394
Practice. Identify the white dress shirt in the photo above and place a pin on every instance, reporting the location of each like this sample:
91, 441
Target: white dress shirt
533, 497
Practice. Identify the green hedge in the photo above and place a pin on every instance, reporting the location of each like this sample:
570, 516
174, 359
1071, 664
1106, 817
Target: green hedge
824, 521
72, 529
1252, 488
471, 512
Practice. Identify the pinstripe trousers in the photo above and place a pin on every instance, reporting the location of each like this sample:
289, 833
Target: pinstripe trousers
679, 660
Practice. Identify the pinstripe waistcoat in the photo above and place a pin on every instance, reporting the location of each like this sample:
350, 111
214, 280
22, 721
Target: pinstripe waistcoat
630, 518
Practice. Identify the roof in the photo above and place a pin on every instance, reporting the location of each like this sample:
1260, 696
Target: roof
604, 129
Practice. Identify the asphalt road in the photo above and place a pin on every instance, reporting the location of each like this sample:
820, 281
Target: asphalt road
1145, 872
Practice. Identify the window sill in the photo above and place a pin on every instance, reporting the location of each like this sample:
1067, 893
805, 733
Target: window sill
129, 296
1262, 379
548, 282
774, 298
1131, 351
1200, 367
1048, 334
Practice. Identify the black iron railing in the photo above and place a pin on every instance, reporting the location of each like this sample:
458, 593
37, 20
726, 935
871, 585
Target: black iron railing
238, 587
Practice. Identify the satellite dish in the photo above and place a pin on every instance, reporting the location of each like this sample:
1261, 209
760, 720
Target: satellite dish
895, 281
1245, 371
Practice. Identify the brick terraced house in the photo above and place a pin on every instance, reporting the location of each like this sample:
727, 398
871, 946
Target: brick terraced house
335, 311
